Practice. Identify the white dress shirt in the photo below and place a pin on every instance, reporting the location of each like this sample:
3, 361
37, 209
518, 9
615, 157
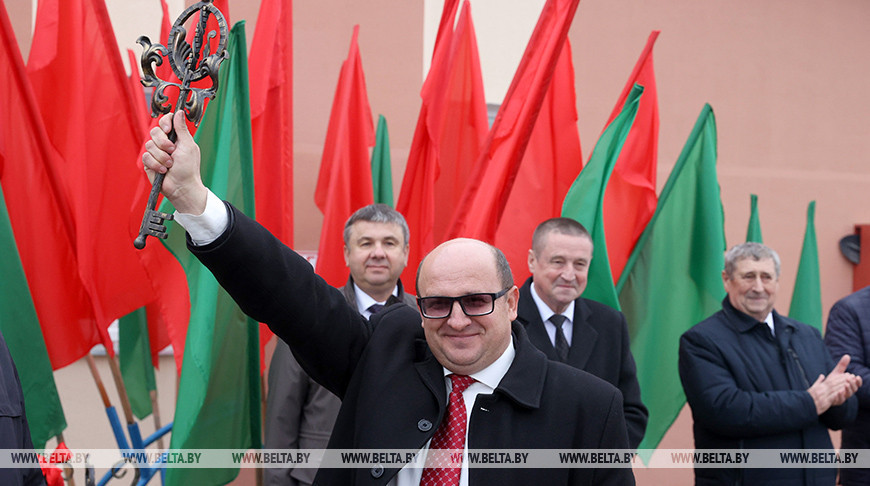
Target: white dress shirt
547, 313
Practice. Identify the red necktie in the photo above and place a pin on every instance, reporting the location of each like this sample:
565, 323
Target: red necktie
449, 438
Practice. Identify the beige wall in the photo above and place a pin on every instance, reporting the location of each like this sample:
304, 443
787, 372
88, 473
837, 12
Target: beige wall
785, 79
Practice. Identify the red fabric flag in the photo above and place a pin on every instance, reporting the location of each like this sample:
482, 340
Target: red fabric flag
270, 69
445, 27
47, 249
143, 111
164, 71
169, 313
170, 309
549, 166
345, 180
630, 198
94, 128
450, 132
479, 212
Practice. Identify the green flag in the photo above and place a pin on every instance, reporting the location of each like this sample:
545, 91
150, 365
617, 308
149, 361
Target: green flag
218, 403
585, 199
806, 300
753, 231
135, 359
382, 172
20, 327
673, 278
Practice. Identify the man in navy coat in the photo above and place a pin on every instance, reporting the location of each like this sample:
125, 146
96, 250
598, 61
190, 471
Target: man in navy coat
595, 336
755, 379
393, 373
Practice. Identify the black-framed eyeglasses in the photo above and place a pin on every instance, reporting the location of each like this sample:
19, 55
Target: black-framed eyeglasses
473, 305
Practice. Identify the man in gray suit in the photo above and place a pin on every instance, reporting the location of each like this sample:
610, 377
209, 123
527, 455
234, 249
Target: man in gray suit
299, 412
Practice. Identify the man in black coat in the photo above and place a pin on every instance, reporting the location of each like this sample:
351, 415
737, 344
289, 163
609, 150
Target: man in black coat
595, 336
393, 373
299, 412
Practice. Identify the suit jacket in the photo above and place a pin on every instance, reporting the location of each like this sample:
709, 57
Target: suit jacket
599, 345
300, 413
392, 388
747, 390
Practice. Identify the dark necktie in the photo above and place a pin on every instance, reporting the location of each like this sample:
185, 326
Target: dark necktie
448, 439
375, 308
561, 342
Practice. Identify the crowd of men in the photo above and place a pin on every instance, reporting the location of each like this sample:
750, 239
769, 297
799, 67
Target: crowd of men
475, 362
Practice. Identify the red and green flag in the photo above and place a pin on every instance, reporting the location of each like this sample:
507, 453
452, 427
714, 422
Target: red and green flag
584, 202
673, 279
450, 132
344, 183
552, 161
480, 209
218, 405
630, 199
20, 327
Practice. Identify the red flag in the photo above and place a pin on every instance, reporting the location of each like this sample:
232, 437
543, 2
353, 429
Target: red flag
143, 112
549, 166
47, 249
479, 212
345, 180
445, 27
630, 198
169, 313
95, 129
450, 132
271, 74
164, 71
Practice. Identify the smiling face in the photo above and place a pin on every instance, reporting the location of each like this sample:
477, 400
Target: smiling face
376, 254
464, 344
560, 268
752, 286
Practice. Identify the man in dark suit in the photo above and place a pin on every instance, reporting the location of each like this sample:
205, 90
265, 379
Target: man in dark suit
393, 373
591, 336
299, 412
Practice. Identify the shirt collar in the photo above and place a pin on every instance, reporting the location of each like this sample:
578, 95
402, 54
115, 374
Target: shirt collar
491, 375
364, 300
544, 309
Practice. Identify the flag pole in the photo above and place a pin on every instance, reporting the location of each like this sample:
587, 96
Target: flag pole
111, 413
155, 412
67, 469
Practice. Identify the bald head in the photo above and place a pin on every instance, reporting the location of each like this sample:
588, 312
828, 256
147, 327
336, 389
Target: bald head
467, 246
457, 268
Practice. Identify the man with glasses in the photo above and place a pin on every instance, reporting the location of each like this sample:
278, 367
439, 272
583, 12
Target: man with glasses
299, 412
568, 328
392, 374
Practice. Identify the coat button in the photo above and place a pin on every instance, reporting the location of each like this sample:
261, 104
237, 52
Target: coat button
424, 425
377, 471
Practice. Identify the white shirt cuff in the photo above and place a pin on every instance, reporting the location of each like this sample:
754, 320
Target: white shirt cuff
208, 226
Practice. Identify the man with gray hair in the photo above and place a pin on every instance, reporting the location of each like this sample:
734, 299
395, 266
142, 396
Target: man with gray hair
755, 379
300, 413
